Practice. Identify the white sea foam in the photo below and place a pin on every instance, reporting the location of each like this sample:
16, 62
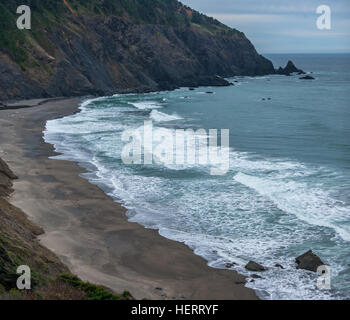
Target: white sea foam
231, 220
89, 101
309, 204
163, 117
146, 105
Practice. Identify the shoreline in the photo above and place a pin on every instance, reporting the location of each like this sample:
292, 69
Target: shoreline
89, 231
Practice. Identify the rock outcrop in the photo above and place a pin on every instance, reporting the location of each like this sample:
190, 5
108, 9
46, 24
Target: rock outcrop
6, 177
309, 261
289, 69
104, 47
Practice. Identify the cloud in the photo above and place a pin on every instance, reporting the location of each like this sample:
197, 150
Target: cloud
280, 25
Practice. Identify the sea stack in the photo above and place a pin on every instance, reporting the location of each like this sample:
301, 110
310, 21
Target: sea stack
289, 69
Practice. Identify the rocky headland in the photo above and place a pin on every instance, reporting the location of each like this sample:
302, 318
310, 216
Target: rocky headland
94, 47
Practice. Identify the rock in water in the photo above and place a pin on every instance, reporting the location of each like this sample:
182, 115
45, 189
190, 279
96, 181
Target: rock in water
309, 261
289, 69
253, 266
307, 78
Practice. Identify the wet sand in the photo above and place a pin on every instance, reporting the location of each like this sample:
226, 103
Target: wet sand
89, 231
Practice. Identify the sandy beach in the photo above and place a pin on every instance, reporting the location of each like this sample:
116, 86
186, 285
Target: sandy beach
89, 231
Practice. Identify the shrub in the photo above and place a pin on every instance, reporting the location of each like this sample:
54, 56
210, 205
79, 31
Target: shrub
92, 291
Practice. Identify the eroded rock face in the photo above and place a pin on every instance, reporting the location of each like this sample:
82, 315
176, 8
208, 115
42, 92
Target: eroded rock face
253, 266
309, 261
6, 177
4, 168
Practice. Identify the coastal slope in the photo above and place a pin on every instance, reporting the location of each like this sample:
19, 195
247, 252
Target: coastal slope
19, 246
96, 47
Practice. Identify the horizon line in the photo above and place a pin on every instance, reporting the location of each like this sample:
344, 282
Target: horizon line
304, 52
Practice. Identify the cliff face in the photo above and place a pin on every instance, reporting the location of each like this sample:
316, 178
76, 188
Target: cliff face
104, 47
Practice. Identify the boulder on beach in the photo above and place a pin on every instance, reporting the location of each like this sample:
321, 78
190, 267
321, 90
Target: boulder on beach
253, 266
309, 261
307, 78
230, 265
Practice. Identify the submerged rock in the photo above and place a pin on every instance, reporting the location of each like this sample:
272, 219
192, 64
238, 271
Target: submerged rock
253, 266
307, 78
309, 261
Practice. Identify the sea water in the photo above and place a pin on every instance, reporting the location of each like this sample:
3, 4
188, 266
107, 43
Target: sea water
287, 189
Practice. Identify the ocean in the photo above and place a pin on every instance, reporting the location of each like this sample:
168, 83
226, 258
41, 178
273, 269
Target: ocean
287, 189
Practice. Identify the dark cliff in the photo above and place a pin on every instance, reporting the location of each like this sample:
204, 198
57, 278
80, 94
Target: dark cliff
103, 47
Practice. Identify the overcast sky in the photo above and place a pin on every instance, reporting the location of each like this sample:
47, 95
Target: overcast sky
283, 26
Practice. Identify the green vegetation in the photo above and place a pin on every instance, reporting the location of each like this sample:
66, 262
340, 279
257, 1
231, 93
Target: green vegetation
64, 287
11, 39
166, 12
46, 14
94, 292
